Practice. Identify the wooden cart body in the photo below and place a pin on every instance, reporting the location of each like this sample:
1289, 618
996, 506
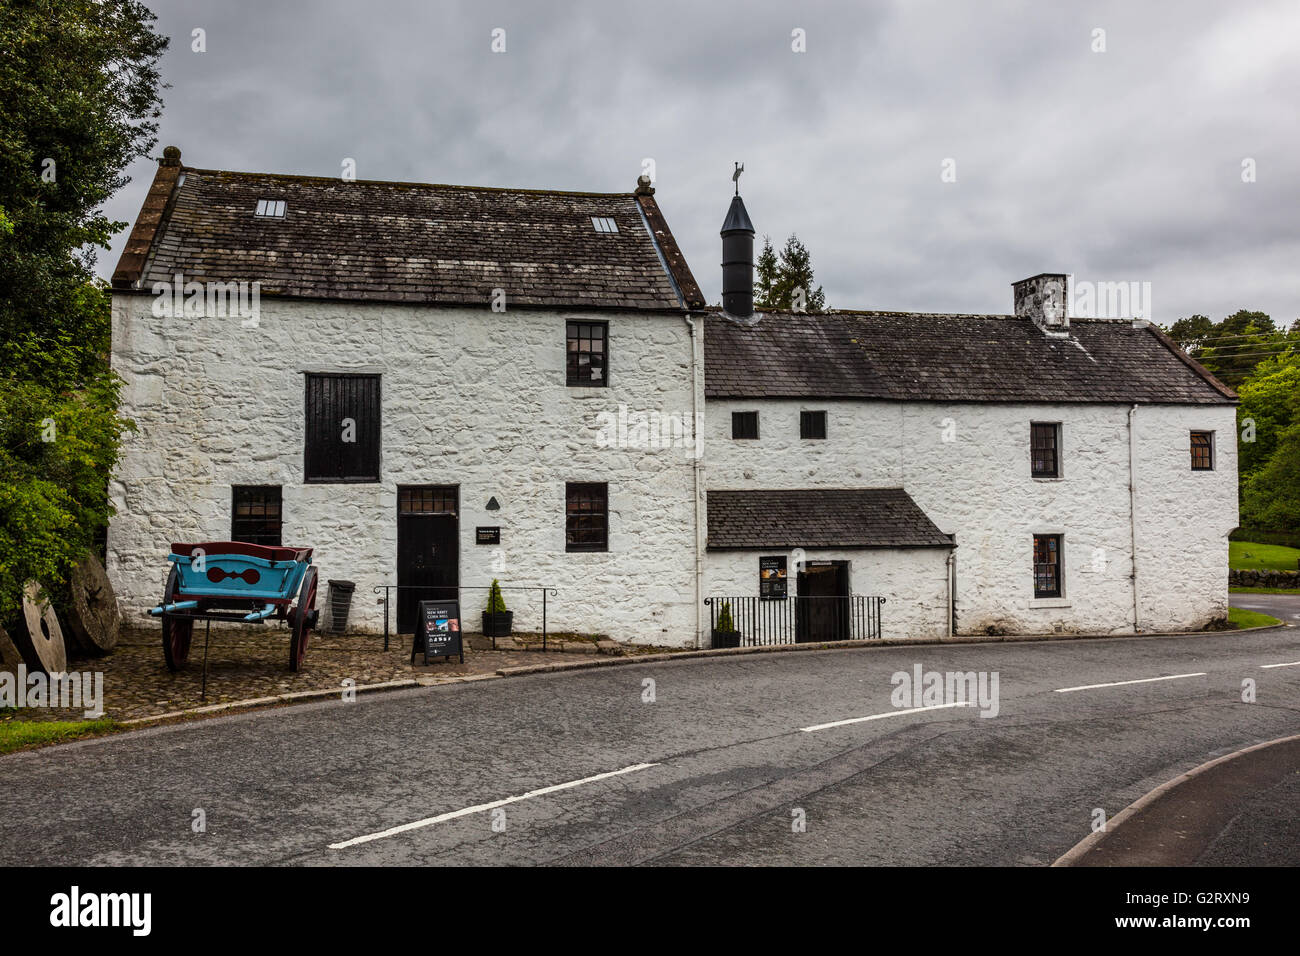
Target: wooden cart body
237, 581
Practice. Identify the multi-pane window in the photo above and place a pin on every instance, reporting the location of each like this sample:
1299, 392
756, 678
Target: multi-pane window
342, 428
270, 208
1047, 565
429, 500
586, 516
1045, 449
812, 424
255, 514
744, 424
588, 353
1202, 451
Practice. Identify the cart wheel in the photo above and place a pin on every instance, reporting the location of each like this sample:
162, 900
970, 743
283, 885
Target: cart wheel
302, 618
176, 631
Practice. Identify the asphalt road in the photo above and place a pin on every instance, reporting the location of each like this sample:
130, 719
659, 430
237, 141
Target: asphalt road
732, 771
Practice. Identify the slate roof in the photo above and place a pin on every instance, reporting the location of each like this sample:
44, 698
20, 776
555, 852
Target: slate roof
949, 358
819, 518
406, 242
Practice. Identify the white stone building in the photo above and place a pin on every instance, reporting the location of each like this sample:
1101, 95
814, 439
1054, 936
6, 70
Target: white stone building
436, 386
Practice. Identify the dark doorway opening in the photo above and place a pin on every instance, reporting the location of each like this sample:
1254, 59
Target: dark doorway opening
428, 549
822, 609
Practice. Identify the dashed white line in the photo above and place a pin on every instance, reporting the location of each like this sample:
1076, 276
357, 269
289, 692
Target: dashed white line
892, 713
1122, 683
1288, 664
429, 821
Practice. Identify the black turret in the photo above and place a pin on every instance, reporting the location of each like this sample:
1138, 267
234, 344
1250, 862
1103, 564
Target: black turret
738, 259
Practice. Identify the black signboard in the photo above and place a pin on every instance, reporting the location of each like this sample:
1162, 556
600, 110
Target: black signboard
487, 535
437, 631
772, 580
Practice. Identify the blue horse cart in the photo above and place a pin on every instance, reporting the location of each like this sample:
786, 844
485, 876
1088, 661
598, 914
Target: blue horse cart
234, 581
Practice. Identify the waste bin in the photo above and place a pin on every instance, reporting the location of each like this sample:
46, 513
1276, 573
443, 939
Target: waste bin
340, 604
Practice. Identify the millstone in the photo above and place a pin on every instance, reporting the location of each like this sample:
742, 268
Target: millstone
93, 618
39, 638
9, 656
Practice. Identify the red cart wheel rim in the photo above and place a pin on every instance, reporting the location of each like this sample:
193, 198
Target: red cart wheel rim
301, 620
176, 632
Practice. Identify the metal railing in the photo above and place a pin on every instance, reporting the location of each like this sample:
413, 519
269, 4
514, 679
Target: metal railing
441, 590
794, 620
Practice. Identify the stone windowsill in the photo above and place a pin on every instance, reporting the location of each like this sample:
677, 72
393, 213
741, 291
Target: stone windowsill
1050, 602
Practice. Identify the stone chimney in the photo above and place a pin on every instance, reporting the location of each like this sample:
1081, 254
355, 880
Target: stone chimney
1045, 298
738, 261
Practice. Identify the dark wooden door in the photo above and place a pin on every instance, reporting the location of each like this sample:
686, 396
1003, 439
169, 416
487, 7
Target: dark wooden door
822, 608
428, 549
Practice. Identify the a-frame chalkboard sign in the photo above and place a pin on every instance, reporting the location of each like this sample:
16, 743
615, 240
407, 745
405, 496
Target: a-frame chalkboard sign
437, 631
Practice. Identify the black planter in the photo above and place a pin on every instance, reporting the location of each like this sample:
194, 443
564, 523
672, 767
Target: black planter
726, 638
498, 624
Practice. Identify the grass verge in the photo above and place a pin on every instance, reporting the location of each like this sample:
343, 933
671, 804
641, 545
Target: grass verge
1240, 617
1251, 556
24, 734
1236, 590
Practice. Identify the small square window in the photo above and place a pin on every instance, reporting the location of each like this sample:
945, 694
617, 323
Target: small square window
1202, 451
812, 424
1047, 565
1045, 449
744, 425
586, 516
604, 224
255, 514
270, 208
586, 362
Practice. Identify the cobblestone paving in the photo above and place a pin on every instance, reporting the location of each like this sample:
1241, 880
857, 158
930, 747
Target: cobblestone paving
245, 664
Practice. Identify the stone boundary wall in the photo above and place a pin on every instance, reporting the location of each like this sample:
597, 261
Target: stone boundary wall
1264, 579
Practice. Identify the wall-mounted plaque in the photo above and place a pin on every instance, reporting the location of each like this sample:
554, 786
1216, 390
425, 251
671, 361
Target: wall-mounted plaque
487, 535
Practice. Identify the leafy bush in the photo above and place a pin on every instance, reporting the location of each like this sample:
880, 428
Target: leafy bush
496, 604
725, 622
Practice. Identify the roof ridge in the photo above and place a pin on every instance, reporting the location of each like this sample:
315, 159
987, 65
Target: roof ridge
334, 180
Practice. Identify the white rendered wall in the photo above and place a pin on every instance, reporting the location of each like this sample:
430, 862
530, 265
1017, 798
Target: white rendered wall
469, 397
978, 486
913, 582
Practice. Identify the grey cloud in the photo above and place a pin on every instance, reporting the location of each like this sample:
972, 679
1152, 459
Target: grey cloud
1114, 166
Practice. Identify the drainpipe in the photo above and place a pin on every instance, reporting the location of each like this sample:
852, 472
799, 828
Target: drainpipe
1132, 514
952, 597
698, 426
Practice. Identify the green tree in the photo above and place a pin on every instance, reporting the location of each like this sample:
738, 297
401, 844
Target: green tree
794, 273
1232, 348
79, 100
1271, 496
1270, 403
767, 275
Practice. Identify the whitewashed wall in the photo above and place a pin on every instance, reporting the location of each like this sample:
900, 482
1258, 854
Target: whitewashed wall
913, 582
978, 486
469, 397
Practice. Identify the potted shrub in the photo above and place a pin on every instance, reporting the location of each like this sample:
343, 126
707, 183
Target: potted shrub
497, 621
724, 629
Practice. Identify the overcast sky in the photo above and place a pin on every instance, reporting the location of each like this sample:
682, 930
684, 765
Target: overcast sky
1122, 165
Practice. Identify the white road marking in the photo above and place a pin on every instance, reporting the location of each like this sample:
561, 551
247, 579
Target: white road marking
1121, 683
429, 821
892, 713
1291, 664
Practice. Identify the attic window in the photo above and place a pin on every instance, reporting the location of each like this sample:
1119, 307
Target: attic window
604, 224
270, 208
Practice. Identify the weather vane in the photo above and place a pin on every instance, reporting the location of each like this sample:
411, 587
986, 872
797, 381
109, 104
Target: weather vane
735, 177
